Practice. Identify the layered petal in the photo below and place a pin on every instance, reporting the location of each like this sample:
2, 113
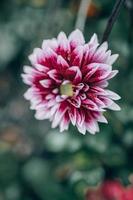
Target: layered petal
68, 82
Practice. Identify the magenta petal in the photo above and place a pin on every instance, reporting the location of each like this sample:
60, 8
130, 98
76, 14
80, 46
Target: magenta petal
74, 74
94, 40
107, 101
91, 69
112, 74
112, 59
100, 54
59, 115
114, 106
46, 83
50, 43
53, 74
73, 115
64, 122
112, 95
76, 102
91, 124
76, 38
63, 44
27, 79
102, 73
76, 56
89, 104
41, 68
62, 64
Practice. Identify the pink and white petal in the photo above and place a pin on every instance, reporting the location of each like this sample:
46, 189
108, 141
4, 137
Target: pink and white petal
33, 59
92, 126
102, 73
100, 54
102, 84
62, 64
107, 101
114, 106
79, 86
90, 105
28, 70
49, 96
101, 58
54, 109
33, 71
55, 91
112, 74
27, 79
97, 127
86, 87
33, 56
42, 114
108, 54
98, 116
49, 58
88, 67
73, 115
76, 38
46, 83
112, 59
77, 56
112, 95
49, 53
29, 94
94, 40
59, 114
80, 119
41, 68
83, 96
51, 102
97, 90
35, 101
74, 74
64, 122
76, 102
89, 51
42, 105
60, 98
53, 74
36, 56
89, 70
53, 44
98, 102
82, 129
102, 119
64, 46
102, 48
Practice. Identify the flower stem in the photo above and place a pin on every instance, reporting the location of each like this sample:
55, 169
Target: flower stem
129, 5
114, 14
82, 14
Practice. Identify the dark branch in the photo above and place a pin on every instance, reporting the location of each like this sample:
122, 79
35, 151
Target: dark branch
112, 19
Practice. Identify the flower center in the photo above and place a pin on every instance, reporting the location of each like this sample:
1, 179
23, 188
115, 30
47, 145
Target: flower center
66, 89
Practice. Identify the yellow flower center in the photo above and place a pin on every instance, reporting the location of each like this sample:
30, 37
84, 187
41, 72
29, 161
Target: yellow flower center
66, 89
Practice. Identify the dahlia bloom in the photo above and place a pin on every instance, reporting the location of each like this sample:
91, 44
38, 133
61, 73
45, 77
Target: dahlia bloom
68, 81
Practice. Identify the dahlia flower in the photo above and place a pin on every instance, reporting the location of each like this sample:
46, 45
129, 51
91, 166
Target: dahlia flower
68, 81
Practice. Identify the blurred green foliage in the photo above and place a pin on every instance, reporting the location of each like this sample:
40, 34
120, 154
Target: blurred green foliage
37, 163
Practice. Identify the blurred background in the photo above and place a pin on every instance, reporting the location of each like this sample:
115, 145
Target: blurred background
36, 162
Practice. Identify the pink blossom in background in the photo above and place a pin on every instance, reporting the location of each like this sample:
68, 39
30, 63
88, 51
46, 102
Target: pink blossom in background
110, 190
68, 81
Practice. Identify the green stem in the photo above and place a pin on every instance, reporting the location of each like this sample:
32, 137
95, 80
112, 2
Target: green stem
112, 19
